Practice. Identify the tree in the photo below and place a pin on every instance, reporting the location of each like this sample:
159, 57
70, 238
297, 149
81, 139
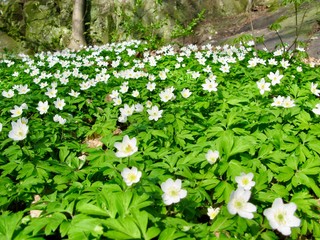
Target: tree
77, 37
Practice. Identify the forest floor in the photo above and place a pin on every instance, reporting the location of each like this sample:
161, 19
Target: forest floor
223, 30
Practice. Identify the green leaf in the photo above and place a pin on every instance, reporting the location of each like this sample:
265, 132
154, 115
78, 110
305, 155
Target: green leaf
8, 224
311, 167
54, 221
280, 190
124, 228
285, 174
314, 145
268, 235
306, 203
223, 191
242, 144
91, 209
159, 133
307, 181
153, 232
221, 223
170, 233
63, 153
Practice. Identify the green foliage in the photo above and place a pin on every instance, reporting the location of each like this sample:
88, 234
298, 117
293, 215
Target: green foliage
183, 30
64, 180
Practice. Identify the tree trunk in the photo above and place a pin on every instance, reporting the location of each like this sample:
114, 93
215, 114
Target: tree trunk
77, 38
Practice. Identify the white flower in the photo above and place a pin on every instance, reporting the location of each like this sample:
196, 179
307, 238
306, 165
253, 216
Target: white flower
277, 52
151, 86
148, 104
19, 130
272, 61
210, 86
277, 101
186, 93
253, 62
263, 86
299, 69
74, 93
54, 84
114, 94
212, 156
163, 75
314, 89
135, 93
213, 212
172, 191
15, 74
124, 88
127, 110
138, 107
288, 102
131, 176
122, 119
167, 94
59, 103
195, 75
51, 92
23, 89
225, 68
284, 63
43, 85
245, 181
59, 119
316, 110
43, 107
8, 94
239, 204
275, 77
0, 127
17, 111
117, 101
127, 147
154, 113
24, 120
281, 216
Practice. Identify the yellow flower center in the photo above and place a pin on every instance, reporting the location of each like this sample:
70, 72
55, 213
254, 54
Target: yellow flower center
132, 177
173, 193
238, 204
128, 148
245, 181
280, 217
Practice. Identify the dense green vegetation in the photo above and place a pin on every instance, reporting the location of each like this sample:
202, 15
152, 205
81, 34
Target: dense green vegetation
121, 142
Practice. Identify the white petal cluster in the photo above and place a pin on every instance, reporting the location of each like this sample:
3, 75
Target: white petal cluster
314, 89
239, 204
316, 110
263, 86
275, 77
131, 176
167, 94
19, 130
281, 101
213, 212
59, 119
281, 216
172, 191
43, 107
245, 181
154, 113
127, 147
210, 85
212, 156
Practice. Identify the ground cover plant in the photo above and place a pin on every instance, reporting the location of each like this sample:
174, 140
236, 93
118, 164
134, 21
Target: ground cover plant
121, 142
